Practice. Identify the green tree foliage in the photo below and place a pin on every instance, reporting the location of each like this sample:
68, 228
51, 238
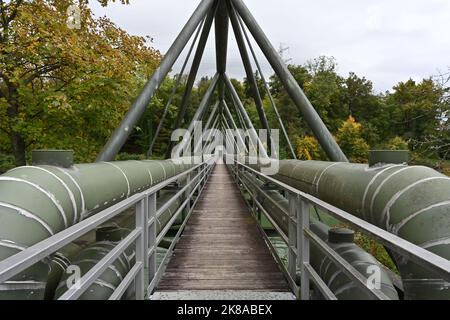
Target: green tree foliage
261, 87
63, 87
415, 108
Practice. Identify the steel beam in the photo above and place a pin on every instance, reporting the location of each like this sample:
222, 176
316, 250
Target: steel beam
207, 126
172, 95
238, 102
195, 66
310, 115
266, 86
244, 126
203, 104
249, 72
221, 29
193, 73
233, 123
121, 134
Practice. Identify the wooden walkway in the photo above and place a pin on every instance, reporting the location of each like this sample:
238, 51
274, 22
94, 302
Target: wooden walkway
221, 247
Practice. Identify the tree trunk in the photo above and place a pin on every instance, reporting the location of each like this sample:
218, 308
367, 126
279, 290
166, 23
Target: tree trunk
19, 149
17, 141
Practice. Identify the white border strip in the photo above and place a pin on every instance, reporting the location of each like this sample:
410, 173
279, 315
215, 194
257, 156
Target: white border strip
125, 176
46, 193
29, 215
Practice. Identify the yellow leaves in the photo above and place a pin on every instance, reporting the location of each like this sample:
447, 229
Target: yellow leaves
308, 148
350, 139
350, 126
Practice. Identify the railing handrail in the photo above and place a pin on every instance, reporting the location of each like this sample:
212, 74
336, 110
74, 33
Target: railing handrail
423, 257
19, 262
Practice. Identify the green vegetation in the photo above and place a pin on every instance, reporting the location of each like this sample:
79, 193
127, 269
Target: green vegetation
69, 88
62, 87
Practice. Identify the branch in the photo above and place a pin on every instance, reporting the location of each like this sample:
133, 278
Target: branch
13, 14
41, 72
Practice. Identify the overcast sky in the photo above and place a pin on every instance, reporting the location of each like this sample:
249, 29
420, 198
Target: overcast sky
386, 41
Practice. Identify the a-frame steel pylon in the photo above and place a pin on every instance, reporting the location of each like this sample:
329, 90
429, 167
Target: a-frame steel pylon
223, 13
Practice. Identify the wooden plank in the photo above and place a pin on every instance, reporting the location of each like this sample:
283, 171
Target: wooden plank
221, 247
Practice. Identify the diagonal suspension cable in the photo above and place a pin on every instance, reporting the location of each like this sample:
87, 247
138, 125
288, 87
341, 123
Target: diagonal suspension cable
272, 101
174, 90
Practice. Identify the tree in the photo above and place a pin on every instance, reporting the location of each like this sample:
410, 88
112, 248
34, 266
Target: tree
288, 110
261, 87
63, 87
416, 108
325, 90
308, 148
363, 105
349, 138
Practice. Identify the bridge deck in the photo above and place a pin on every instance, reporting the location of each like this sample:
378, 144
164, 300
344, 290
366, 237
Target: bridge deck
221, 247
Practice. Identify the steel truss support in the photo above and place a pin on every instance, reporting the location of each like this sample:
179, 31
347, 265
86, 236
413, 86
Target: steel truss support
233, 123
252, 131
193, 72
199, 144
249, 73
231, 137
174, 90
266, 86
215, 126
185, 143
310, 115
221, 29
121, 134
244, 126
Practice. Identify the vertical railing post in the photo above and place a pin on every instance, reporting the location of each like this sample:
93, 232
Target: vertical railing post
141, 222
303, 246
187, 193
292, 235
152, 234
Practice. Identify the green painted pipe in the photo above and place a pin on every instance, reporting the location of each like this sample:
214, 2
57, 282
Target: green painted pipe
412, 202
107, 238
338, 282
105, 285
37, 202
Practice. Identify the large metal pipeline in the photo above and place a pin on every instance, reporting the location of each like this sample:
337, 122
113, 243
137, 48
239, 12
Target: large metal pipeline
37, 202
106, 239
412, 202
342, 286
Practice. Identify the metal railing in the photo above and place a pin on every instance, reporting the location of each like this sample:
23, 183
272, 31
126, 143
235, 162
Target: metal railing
145, 273
300, 237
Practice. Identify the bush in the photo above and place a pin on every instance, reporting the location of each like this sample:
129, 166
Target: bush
397, 143
129, 156
7, 162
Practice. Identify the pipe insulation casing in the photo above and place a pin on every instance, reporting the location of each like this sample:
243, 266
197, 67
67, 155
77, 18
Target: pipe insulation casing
340, 284
107, 238
107, 283
37, 202
412, 202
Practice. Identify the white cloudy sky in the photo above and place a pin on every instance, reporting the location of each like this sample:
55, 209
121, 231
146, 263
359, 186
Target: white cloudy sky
385, 40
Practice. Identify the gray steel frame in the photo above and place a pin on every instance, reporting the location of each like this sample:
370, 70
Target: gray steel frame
174, 90
133, 115
249, 72
310, 115
266, 86
144, 238
300, 236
